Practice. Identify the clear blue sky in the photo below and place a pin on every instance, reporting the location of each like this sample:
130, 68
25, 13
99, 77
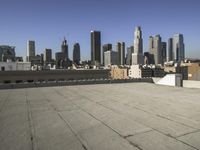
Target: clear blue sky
48, 21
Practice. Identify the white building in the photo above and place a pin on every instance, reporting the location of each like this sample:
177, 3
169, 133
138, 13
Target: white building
137, 59
138, 71
14, 66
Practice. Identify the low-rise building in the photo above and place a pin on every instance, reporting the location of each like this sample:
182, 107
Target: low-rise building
193, 70
177, 69
119, 72
14, 66
138, 71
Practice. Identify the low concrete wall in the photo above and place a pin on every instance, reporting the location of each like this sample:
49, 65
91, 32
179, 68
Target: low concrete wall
155, 79
191, 84
70, 83
51, 75
171, 80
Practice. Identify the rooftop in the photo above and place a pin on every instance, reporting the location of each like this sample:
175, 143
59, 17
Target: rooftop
132, 116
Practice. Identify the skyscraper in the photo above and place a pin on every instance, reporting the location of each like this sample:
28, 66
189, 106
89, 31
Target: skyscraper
176, 48
178, 52
120, 47
130, 50
170, 49
155, 48
30, 50
106, 47
138, 42
64, 49
164, 52
95, 47
76, 53
111, 58
137, 56
47, 55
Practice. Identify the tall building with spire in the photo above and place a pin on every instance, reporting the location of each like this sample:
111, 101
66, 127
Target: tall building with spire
95, 47
137, 56
64, 49
138, 41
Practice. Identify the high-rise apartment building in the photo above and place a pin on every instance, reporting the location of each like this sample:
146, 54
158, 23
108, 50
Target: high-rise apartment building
137, 56
155, 49
47, 55
106, 47
95, 47
64, 49
120, 47
76, 53
30, 51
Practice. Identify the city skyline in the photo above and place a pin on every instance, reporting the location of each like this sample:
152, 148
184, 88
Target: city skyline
48, 22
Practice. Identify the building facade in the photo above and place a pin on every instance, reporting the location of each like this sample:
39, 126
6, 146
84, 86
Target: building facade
119, 73
95, 47
137, 56
64, 49
76, 53
30, 50
178, 52
60, 60
138, 41
111, 58
15, 66
176, 48
155, 49
130, 50
164, 52
137, 71
7, 53
47, 56
169, 55
106, 47
120, 48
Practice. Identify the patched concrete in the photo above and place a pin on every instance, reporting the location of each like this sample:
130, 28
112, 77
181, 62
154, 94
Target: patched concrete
138, 116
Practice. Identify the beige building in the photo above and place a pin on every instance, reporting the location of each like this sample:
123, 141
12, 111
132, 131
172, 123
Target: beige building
119, 73
193, 71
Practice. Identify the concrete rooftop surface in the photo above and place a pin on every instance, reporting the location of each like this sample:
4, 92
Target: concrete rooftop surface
132, 116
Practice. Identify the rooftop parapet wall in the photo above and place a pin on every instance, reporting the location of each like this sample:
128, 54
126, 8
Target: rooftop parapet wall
54, 75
